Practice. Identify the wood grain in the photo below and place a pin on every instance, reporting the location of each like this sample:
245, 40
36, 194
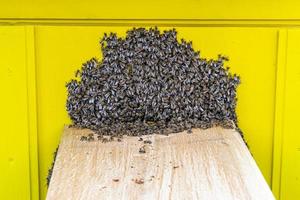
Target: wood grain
206, 164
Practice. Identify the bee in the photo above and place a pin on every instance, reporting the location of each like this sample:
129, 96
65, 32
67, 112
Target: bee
77, 73
83, 138
142, 150
147, 142
90, 139
104, 140
99, 137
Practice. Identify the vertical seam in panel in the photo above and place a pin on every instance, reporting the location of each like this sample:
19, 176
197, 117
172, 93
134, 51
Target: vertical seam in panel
283, 113
32, 112
279, 111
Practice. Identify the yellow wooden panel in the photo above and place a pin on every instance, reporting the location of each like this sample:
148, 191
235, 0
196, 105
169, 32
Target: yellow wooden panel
14, 147
61, 50
279, 109
290, 167
155, 9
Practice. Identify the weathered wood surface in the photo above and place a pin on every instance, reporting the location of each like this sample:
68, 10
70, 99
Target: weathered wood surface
206, 164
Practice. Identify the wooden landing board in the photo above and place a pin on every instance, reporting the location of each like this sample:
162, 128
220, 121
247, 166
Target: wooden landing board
206, 164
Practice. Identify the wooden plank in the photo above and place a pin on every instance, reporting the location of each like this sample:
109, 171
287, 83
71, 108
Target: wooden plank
207, 164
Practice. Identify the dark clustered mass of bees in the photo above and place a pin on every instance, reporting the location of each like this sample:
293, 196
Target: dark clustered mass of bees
50, 170
150, 83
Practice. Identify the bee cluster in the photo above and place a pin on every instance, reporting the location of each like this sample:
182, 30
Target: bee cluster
149, 82
50, 170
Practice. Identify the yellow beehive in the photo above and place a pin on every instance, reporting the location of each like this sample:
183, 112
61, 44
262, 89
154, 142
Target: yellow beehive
42, 44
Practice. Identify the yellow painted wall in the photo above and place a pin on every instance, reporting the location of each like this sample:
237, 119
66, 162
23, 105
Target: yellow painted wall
42, 44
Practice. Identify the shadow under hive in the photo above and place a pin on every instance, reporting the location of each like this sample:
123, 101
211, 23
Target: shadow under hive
148, 83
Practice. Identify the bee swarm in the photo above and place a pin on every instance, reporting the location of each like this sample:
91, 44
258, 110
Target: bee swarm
149, 82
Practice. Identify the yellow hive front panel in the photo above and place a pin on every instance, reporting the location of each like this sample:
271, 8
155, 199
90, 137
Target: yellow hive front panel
290, 167
14, 142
